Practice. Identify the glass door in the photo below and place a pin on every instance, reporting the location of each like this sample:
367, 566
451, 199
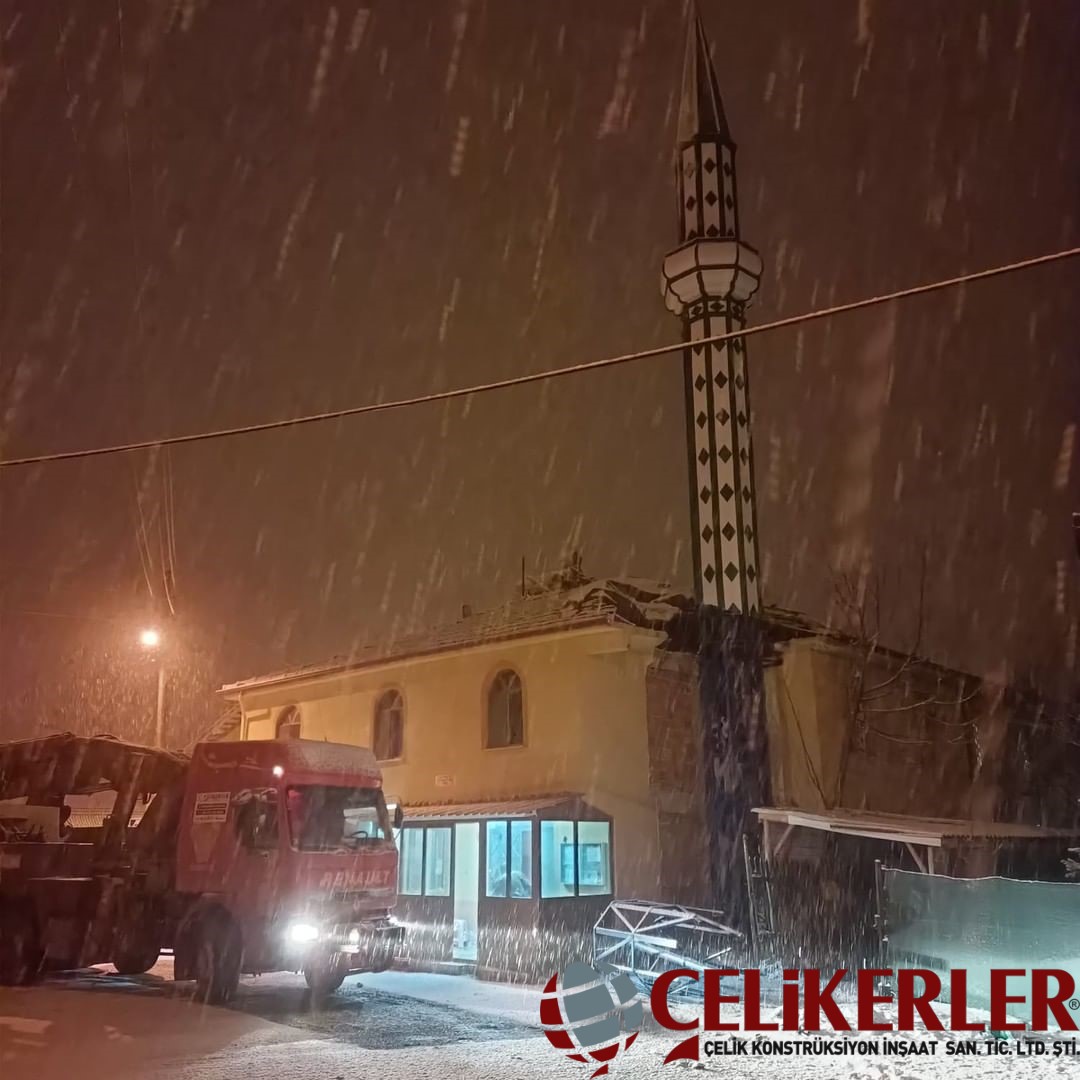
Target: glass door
466, 889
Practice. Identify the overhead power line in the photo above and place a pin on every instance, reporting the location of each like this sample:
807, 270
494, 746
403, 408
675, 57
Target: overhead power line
541, 376
9, 612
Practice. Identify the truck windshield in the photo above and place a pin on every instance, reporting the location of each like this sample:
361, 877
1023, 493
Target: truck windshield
323, 818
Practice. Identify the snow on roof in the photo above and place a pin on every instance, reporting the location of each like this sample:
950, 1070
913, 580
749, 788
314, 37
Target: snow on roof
294, 755
562, 600
631, 602
327, 757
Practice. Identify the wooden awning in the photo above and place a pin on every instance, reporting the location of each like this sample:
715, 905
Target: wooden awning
570, 806
914, 832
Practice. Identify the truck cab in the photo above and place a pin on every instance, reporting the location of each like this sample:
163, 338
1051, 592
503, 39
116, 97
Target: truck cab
286, 860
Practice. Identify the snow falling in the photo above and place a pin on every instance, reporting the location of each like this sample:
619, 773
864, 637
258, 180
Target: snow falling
277, 284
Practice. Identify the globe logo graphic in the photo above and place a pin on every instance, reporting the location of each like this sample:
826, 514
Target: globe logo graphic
591, 1016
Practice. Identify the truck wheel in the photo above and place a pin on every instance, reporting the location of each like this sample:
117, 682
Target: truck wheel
20, 947
217, 962
324, 979
137, 950
137, 941
384, 961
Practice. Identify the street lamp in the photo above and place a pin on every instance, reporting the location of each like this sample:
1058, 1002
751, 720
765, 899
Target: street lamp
150, 640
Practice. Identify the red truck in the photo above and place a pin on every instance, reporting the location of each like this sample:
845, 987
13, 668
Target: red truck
249, 857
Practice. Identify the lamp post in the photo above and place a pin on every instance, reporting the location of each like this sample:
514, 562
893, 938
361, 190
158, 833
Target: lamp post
150, 640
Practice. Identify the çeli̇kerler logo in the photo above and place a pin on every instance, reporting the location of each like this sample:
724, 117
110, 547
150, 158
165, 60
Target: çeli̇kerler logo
591, 1016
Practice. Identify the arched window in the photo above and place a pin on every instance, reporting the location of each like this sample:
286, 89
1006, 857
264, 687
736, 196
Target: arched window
288, 724
389, 735
505, 714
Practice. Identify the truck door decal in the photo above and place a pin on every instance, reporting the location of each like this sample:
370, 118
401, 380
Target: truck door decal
355, 879
211, 807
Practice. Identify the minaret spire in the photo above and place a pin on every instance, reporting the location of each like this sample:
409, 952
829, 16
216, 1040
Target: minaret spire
707, 282
701, 110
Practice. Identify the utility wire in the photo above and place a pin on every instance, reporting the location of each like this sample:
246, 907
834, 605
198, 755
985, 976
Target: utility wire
543, 376
7, 612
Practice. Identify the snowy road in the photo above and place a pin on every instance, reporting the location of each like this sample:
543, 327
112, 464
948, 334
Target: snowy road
394, 1026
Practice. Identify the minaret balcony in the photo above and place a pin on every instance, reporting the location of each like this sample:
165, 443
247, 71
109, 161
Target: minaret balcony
709, 269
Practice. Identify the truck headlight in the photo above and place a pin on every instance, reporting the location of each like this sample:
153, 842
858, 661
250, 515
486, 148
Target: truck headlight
301, 933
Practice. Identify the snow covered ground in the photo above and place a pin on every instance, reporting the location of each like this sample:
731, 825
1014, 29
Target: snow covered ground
394, 1026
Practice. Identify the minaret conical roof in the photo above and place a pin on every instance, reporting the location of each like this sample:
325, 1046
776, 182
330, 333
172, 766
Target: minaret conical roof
701, 110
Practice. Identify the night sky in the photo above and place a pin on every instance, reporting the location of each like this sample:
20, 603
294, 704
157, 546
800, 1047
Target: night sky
216, 213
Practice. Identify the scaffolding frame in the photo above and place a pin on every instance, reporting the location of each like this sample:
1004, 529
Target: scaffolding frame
645, 939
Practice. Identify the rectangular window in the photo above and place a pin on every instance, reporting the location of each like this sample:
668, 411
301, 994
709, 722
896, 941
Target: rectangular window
496, 858
411, 862
575, 858
556, 858
594, 858
437, 862
521, 860
509, 859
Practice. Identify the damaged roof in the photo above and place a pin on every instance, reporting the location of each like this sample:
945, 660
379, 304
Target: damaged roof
563, 600
631, 603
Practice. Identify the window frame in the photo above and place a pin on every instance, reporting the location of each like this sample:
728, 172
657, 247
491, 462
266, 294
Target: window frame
289, 717
507, 843
423, 830
608, 864
257, 832
382, 696
485, 735
577, 894
402, 846
449, 868
293, 837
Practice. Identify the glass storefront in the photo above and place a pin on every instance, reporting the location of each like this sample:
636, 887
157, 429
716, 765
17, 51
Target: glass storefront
574, 859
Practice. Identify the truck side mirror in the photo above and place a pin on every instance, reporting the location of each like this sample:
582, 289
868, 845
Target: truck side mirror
399, 816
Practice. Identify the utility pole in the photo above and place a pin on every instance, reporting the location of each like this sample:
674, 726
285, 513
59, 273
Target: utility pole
150, 639
159, 715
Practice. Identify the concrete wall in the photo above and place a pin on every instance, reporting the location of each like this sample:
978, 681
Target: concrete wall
806, 704
585, 729
907, 753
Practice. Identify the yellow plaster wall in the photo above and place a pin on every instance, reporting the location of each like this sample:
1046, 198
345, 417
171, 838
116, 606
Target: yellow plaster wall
585, 730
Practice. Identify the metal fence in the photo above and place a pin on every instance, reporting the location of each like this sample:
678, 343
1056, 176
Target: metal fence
977, 924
